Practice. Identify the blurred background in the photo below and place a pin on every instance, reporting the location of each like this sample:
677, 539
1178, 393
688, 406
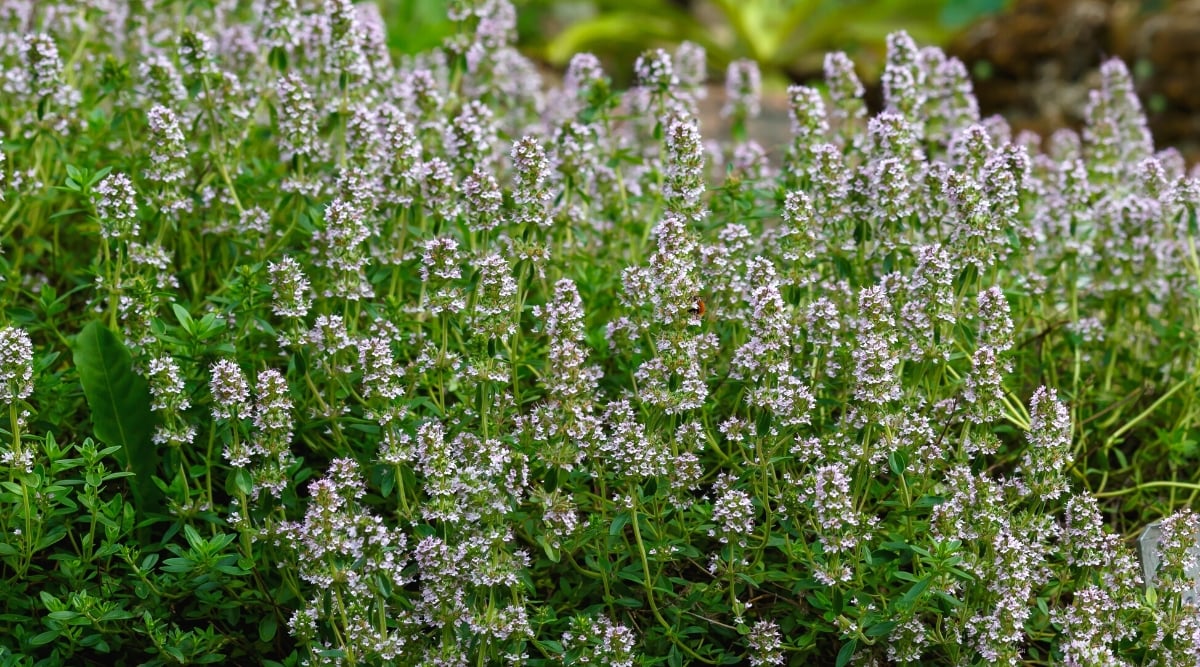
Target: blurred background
1033, 61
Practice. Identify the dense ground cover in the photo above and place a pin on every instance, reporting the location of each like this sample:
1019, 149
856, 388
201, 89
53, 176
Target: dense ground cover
315, 356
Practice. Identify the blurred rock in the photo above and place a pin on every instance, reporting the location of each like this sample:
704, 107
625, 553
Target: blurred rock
1043, 57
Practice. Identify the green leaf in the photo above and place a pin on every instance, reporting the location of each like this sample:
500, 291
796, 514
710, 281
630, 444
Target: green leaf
116, 615
120, 405
66, 615
551, 552
193, 538
913, 593
847, 652
240, 482
618, 523
266, 629
185, 318
44, 638
674, 657
881, 629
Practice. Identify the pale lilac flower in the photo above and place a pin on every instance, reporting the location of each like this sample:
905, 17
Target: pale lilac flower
1064, 145
1115, 136
560, 516
1093, 626
483, 200
497, 27
296, 119
973, 505
691, 65
827, 491
402, 155
743, 90
907, 641
441, 259
495, 298
166, 385
272, 436
892, 194
422, 90
823, 322
532, 193
570, 378
440, 190
1015, 571
875, 355
1049, 452
983, 392
16, 365
766, 644
684, 185
441, 270
1179, 556
471, 137
655, 72
44, 64
929, 302
768, 348
575, 154
628, 450
733, 512
904, 90
339, 246
329, 336
583, 74
168, 152
161, 82
290, 288
364, 138
995, 323
116, 207
749, 163
809, 122
600, 641
343, 549
469, 479
1084, 539
845, 90
955, 106
892, 136
230, 390
346, 42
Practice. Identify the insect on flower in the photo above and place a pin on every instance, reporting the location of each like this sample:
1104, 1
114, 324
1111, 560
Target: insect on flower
699, 309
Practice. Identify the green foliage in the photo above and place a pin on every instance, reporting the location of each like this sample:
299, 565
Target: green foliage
313, 356
77, 589
781, 36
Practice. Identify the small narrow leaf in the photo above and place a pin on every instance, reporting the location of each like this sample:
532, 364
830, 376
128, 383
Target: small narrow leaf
847, 652
618, 524
906, 602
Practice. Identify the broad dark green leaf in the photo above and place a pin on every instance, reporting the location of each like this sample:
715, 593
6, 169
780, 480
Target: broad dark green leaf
120, 404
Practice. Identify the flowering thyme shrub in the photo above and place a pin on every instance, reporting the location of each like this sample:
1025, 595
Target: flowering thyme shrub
313, 356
